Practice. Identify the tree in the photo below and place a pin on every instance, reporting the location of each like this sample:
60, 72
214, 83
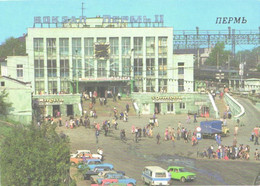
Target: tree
251, 57
218, 56
34, 156
4, 106
12, 47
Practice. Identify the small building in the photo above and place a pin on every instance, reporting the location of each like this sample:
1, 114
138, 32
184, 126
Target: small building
57, 105
20, 96
248, 85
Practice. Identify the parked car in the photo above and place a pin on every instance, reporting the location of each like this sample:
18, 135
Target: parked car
154, 175
180, 173
102, 175
79, 158
93, 163
105, 182
86, 153
121, 179
96, 171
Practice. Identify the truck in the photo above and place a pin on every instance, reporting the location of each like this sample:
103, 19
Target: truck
210, 128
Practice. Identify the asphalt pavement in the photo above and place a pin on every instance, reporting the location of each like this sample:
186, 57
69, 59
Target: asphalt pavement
132, 157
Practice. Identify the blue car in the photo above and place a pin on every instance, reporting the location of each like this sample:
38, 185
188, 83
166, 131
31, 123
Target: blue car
93, 163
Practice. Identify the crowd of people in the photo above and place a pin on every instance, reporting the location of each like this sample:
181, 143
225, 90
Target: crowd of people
227, 152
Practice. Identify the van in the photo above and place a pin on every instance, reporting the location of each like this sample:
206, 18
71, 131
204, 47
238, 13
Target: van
154, 175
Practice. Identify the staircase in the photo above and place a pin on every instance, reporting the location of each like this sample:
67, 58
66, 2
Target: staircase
107, 110
221, 105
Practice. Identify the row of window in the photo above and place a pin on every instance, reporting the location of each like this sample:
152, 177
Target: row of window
52, 87
89, 46
150, 85
102, 68
170, 106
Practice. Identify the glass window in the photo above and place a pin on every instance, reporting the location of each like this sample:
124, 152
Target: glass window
65, 87
138, 85
126, 46
162, 66
113, 45
138, 67
64, 68
52, 68
89, 46
180, 85
114, 67
138, 46
170, 107
150, 46
182, 105
38, 46
39, 87
2, 83
51, 47
162, 45
89, 67
180, 68
150, 68
150, 85
126, 67
39, 68
19, 70
162, 85
76, 46
101, 68
52, 87
76, 68
64, 47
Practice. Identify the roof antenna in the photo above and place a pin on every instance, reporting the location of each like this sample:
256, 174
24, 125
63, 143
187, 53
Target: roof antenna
82, 8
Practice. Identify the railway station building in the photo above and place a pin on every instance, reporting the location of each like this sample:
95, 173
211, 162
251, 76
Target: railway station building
130, 56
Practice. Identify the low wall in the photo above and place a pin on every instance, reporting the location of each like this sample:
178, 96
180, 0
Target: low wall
236, 108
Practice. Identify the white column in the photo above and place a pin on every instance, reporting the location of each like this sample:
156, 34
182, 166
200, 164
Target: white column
70, 57
83, 57
156, 64
144, 64
45, 65
120, 56
95, 60
132, 57
58, 63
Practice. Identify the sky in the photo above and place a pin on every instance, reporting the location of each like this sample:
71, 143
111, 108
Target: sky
18, 15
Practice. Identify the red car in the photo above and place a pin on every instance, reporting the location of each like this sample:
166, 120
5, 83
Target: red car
106, 182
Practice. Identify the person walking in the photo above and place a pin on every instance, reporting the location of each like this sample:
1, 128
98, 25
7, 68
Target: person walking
256, 139
97, 134
236, 130
195, 118
158, 138
60, 122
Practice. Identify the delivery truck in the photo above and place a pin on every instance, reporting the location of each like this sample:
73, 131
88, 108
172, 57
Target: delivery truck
210, 128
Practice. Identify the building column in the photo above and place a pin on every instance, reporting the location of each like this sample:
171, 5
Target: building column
58, 64
70, 65
95, 60
120, 56
83, 58
156, 64
108, 61
46, 65
144, 64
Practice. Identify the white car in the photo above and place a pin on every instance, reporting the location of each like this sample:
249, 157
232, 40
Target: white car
86, 152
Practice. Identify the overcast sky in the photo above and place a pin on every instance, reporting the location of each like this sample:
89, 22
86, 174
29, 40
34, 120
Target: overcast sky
18, 15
